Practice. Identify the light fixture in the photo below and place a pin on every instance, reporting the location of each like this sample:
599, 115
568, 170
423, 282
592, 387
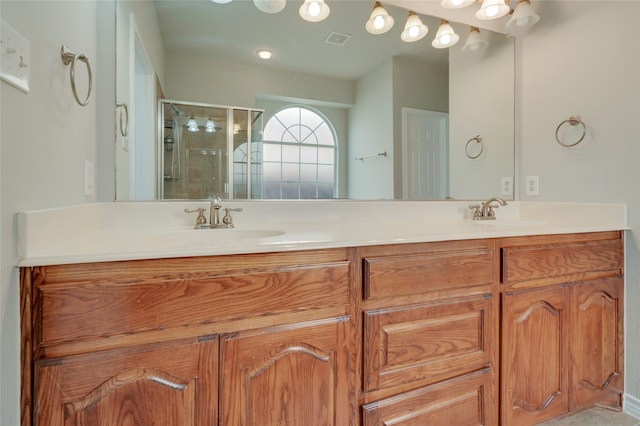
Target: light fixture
236, 128
492, 9
456, 4
221, 1
445, 37
380, 21
314, 10
210, 126
414, 29
192, 125
474, 41
264, 53
523, 16
270, 6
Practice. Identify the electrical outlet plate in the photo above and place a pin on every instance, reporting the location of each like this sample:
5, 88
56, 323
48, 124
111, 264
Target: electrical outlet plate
15, 57
506, 185
532, 185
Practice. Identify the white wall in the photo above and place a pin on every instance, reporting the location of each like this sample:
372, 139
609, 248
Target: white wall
583, 57
45, 138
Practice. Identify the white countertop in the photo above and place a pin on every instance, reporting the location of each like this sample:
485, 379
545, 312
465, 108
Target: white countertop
145, 230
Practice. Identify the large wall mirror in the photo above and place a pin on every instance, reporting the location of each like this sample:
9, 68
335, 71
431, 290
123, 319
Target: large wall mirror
372, 116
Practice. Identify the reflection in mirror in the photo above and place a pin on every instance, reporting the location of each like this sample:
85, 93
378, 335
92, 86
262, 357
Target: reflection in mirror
375, 93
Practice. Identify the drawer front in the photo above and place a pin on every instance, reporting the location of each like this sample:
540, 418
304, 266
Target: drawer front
106, 308
465, 400
387, 277
554, 263
427, 342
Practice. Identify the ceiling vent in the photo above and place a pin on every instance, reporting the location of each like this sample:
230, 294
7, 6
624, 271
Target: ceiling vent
339, 39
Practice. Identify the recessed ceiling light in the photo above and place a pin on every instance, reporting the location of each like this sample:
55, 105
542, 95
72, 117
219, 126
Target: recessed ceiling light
264, 53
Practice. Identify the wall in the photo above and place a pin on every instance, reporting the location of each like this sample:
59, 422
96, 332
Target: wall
371, 132
573, 62
45, 138
481, 103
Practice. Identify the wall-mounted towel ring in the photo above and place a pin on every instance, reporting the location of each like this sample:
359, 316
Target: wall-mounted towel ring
68, 57
574, 120
124, 114
478, 140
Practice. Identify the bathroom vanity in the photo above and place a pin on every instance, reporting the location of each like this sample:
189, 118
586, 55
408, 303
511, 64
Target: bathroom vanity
508, 326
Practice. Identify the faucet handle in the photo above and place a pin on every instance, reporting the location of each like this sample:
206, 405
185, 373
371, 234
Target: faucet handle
201, 219
227, 219
476, 210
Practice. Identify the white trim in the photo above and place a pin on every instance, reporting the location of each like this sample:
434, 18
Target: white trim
632, 406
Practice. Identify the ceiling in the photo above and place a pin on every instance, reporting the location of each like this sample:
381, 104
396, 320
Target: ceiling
234, 31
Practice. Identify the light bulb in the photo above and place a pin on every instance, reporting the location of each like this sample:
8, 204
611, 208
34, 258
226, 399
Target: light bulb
445, 39
378, 22
314, 9
492, 11
414, 31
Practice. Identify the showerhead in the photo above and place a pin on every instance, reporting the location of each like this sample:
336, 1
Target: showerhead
176, 111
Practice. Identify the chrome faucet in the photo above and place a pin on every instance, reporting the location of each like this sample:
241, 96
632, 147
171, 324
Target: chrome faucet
485, 211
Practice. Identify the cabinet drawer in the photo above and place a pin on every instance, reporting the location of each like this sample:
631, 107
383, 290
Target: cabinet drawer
535, 265
427, 342
142, 303
417, 274
465, 400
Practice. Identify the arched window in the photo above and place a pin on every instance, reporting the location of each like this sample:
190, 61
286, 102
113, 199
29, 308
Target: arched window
299, 155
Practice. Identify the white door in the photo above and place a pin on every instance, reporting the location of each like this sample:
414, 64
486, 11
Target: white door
425, 165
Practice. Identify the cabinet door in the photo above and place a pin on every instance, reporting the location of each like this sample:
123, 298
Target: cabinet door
169, 384
596, 343
290, 375
462, 401
534, 356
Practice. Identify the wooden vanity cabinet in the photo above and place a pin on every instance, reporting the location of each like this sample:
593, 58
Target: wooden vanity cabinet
245, 339
429, 334
562, 318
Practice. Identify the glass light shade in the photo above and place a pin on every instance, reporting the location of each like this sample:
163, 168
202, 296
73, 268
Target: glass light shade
210, 126
221, 1
492, 9
456, 4
445, 37
236, 128
270, 6
380, 21
192, 125
523, 16
414, 29
314, 10
474, 41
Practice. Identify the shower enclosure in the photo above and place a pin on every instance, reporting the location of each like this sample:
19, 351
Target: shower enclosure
209, 150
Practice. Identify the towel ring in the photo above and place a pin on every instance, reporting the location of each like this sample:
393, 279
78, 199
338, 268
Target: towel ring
124, 127
574, 120
478, 140
68, 57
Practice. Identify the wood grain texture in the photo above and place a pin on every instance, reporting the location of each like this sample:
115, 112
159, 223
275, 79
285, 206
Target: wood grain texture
597, 350
428, 343
535, 346
161, 384
552, 263
464, 400
287, 376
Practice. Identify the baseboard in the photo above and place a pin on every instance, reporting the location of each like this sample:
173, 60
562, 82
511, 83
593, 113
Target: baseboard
632, 405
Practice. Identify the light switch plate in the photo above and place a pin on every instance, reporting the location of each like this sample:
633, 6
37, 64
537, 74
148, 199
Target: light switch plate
15, 57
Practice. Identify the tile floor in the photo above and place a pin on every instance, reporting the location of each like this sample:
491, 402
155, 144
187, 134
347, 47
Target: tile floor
596, 417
